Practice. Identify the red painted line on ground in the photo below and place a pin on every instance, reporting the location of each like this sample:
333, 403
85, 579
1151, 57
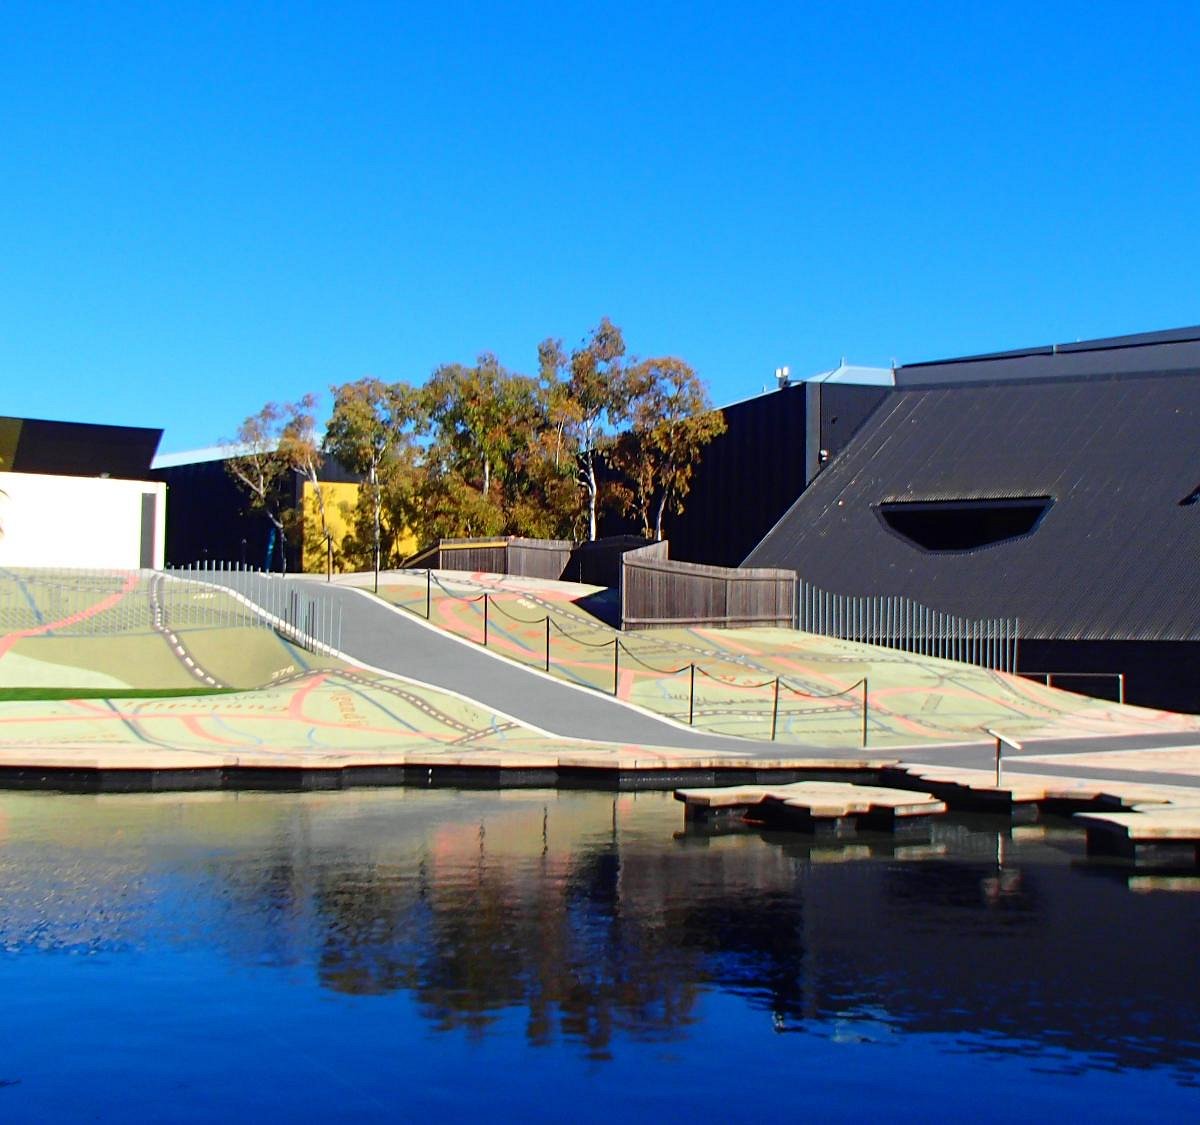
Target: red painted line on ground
10, 639
296, 703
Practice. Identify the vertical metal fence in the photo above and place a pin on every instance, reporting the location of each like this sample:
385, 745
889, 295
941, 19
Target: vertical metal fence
307, 612
93, 603
901, 623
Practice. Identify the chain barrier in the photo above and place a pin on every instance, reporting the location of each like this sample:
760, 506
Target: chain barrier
776, 682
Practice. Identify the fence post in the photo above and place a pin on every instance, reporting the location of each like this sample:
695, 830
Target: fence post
428, 592
775, 709
692, 696
547, 642
486, 598
865, 706
1121, 687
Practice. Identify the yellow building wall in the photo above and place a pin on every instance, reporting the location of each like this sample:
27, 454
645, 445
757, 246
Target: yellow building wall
340, 500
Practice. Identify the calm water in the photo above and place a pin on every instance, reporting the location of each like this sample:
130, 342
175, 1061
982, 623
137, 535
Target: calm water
373, 955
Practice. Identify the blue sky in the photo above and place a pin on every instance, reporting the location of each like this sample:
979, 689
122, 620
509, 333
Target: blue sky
206, 207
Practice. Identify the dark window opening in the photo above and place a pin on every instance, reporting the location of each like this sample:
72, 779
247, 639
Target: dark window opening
964, 525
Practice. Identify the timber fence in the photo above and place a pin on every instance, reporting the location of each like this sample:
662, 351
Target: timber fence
901, 623
658, 592
595, 563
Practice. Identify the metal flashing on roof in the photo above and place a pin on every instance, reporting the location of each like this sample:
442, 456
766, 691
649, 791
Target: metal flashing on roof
1146, 353
855, 375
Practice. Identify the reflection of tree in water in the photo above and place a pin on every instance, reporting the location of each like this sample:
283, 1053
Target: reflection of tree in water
500, 936
602, 939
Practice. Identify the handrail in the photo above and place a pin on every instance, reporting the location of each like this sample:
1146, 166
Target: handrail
1049, 677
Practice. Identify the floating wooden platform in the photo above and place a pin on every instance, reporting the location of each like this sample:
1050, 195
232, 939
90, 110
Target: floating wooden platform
1148, 832
1024, 796
827, 808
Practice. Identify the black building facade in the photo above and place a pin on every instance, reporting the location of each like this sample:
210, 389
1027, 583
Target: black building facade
1060, 486
773, 446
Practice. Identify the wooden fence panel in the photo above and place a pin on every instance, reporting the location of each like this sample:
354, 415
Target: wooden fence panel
598, 563
488, 555
658, 593
539, 558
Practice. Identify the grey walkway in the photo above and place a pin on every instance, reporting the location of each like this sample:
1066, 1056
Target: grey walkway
394, 640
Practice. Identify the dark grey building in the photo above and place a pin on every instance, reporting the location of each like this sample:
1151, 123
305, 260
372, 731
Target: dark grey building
774, 444
1055, 485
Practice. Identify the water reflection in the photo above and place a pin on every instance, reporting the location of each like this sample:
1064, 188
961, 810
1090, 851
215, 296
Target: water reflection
598, 920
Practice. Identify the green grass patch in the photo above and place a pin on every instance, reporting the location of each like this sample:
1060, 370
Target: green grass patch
26, 694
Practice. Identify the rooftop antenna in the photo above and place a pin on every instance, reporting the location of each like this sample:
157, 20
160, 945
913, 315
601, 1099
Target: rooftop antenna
783, 376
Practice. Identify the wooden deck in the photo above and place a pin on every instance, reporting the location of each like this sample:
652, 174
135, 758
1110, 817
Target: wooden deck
819, 807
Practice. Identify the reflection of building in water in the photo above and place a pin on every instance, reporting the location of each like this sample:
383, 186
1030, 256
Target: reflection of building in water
587, 914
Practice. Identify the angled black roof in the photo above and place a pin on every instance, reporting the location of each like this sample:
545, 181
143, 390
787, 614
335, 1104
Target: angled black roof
1116, 554
79, 449
1175, 349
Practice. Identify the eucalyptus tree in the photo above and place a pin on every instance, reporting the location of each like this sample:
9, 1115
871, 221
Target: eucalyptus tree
371, 422
264, 455
672, 420
595, 402
299, 446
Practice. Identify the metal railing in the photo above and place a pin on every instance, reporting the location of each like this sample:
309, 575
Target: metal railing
1048, 679
901, 623
306, 612
70, 602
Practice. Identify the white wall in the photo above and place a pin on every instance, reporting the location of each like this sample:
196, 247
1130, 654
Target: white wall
79, 521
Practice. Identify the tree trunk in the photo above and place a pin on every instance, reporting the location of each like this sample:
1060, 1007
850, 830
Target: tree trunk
591, 490
378, 505
282, 541
658, 517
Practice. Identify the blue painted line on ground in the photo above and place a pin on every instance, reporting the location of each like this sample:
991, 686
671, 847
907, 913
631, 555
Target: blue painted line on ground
24, 589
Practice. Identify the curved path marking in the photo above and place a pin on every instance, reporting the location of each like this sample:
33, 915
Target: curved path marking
384, 638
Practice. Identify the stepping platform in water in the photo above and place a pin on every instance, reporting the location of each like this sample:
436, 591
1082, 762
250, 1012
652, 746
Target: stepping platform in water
1024, 796
1147, 833
827, 808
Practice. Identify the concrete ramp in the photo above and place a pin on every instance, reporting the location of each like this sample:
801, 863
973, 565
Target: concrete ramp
382, 636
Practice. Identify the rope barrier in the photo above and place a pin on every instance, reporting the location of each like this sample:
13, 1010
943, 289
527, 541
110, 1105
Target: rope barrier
585, 644
514, 617
776, 682
459, 597
826, 695
734, 683
661, 671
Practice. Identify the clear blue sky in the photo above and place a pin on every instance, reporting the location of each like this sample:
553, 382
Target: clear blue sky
206, 207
